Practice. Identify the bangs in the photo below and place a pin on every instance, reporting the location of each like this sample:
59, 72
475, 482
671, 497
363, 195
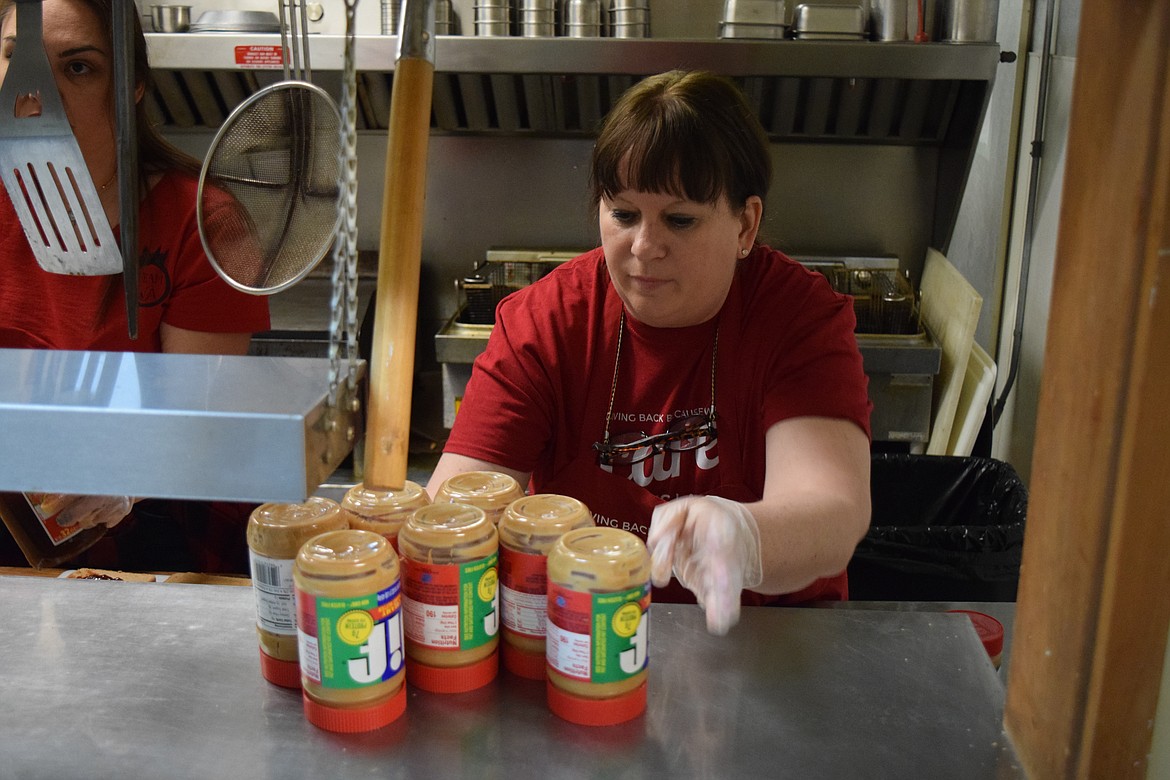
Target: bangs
664, 151
690, 134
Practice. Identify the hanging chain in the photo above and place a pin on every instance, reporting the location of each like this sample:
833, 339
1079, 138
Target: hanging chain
343, 303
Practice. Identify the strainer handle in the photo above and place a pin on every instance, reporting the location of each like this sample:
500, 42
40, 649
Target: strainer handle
400, 251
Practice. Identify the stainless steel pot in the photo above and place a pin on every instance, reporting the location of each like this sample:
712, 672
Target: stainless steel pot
170, 18
970, 21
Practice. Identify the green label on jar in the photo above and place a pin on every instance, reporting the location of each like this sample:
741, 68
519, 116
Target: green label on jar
598, 637
453, 606
479, 594
350, 642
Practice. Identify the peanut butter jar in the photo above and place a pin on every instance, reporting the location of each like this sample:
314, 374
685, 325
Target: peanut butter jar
491, 491
598, 626
382, 511
349, 631
451, 602
528, 529
275, 535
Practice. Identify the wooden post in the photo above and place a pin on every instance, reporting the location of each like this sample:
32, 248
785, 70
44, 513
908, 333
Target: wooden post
1093, 612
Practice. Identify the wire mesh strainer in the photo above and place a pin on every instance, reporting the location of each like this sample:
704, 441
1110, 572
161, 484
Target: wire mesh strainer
268, 190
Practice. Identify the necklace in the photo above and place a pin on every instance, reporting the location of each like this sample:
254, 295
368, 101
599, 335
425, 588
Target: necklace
108, 183
618, 360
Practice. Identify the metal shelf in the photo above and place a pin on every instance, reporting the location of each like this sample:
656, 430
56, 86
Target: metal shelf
470, 54
834, 91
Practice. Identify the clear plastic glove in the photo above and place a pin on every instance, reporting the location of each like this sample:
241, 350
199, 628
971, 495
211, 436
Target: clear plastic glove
87, 511
713, 546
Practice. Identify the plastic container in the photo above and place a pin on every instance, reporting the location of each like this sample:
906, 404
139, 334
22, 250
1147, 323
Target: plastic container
528, 530
450, 554
990, 632
490, 491
382, 511
598, 631
275, 535
31, 519
349, 631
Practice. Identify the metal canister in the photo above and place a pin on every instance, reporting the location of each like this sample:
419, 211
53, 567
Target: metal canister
970, 21
493, 18
538, 18
583, 18
444, 18
889, 20
629, 18
391, 14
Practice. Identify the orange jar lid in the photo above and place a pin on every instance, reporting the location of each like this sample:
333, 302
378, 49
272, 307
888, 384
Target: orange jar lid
453, 679
530, 666
597, 712
989, 629
350, 720
286, 674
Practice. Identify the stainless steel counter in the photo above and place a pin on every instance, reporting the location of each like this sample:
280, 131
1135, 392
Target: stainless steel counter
109, 679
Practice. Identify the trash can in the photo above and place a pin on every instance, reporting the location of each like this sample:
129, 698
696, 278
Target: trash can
943, 529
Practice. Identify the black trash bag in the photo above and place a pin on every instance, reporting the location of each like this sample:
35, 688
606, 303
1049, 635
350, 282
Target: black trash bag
943, 529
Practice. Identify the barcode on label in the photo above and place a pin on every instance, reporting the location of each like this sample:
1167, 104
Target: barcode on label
266, 573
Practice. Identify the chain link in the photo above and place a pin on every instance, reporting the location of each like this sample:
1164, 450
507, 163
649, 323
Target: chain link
343, 301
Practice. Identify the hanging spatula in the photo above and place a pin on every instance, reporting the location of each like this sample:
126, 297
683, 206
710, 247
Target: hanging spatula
43, 169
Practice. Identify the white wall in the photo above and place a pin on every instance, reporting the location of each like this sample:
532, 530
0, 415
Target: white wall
1014, 436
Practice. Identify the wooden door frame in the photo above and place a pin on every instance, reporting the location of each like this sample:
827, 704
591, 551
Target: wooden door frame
1093, 609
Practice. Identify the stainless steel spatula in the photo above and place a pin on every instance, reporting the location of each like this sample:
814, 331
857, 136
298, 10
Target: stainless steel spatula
43, 169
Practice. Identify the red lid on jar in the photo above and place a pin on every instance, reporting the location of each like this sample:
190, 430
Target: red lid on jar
286, 674
530, 666
453, 679
351, 720
597, 712
989, 629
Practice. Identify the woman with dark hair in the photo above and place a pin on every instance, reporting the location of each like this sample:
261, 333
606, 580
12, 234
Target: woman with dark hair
183, 305
686, 383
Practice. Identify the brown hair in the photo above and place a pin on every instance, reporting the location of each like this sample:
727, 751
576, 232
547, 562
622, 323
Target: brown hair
688, 133
155, 153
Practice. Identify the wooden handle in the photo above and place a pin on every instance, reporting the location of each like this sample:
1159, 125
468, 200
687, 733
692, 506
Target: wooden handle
396, 304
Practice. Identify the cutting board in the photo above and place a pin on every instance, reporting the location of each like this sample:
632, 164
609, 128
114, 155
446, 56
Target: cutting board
978, 383
950, 311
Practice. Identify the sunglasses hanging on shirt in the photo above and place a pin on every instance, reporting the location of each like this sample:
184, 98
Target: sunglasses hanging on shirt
687, 434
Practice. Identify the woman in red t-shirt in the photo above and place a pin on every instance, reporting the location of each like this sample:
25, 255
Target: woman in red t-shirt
183, 305
686, 383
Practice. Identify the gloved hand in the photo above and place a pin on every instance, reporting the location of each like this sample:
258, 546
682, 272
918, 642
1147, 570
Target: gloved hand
86, 511
713, 547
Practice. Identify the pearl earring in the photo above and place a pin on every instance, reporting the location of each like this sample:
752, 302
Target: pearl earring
743, 252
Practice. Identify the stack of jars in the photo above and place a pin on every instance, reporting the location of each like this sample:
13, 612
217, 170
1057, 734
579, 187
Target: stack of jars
424, 590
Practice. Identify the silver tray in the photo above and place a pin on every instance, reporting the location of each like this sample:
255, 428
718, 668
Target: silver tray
823, 18
744, 30
236, 21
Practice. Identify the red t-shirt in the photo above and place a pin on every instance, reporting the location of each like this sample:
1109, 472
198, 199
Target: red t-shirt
176, 285
538, 395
